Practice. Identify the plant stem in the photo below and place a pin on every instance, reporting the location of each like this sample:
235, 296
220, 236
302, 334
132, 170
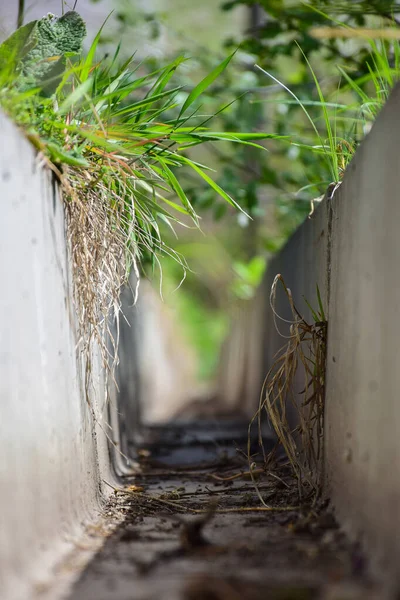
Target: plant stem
21, 11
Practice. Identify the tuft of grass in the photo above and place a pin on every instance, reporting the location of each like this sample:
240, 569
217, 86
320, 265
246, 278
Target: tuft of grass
304, 353
324, 146
344, 113
117, 138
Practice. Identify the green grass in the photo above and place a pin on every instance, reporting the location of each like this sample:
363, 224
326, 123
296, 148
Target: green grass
118, 139
345, 110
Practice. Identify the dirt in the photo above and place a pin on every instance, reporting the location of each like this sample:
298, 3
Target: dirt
195, 529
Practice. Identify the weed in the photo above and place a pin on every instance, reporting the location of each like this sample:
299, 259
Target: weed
117, 138
345, 112
304, 352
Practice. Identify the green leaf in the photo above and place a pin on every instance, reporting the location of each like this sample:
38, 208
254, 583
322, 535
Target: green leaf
15, 47
88, 63
75, 96
55, 37
146, 101
167, 74
213, 184
313, 312
332, 158
176, 186
321, 307
59, 155
205, 83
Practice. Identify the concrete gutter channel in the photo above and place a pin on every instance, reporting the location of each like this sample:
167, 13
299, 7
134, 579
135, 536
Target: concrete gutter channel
56, 458
165, 550
350, 248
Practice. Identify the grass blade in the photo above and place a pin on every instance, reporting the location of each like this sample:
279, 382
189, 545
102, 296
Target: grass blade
205, 83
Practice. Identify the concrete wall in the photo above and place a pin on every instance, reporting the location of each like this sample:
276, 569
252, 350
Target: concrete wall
50, 464
351, 248
363, 375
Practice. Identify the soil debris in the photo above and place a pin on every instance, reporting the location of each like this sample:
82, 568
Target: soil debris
189, 536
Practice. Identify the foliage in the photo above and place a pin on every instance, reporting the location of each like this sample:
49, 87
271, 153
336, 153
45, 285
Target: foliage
248, 277
287, 21
117, 138
38, 50
326, 84
324, 98
316, 88
339, 117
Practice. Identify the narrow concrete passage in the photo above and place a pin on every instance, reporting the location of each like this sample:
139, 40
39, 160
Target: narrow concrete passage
195, 529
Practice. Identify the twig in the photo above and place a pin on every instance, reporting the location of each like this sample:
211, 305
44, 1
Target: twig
237, 475
21, 12
278, 478
240, 509
257, 509
112, 487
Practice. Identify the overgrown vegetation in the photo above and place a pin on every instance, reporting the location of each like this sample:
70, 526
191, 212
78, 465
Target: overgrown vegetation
116, 137
330, 68
324, 71
328, 113
338, 119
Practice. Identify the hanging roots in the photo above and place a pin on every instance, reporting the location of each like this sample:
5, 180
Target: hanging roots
101, 259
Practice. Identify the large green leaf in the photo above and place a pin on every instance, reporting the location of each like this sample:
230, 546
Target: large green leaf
54, 39
15, 47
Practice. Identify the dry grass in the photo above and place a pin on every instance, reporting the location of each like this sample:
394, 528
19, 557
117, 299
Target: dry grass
101, 256
302, 358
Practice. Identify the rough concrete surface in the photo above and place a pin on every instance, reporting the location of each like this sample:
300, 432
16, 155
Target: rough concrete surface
172, 545
363, 375
351, 249
49, 458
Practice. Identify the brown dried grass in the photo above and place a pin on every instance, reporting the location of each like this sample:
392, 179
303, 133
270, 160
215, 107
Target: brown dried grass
101, 256
301, 358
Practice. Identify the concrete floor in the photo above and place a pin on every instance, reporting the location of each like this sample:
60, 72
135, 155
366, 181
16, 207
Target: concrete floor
193, 532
